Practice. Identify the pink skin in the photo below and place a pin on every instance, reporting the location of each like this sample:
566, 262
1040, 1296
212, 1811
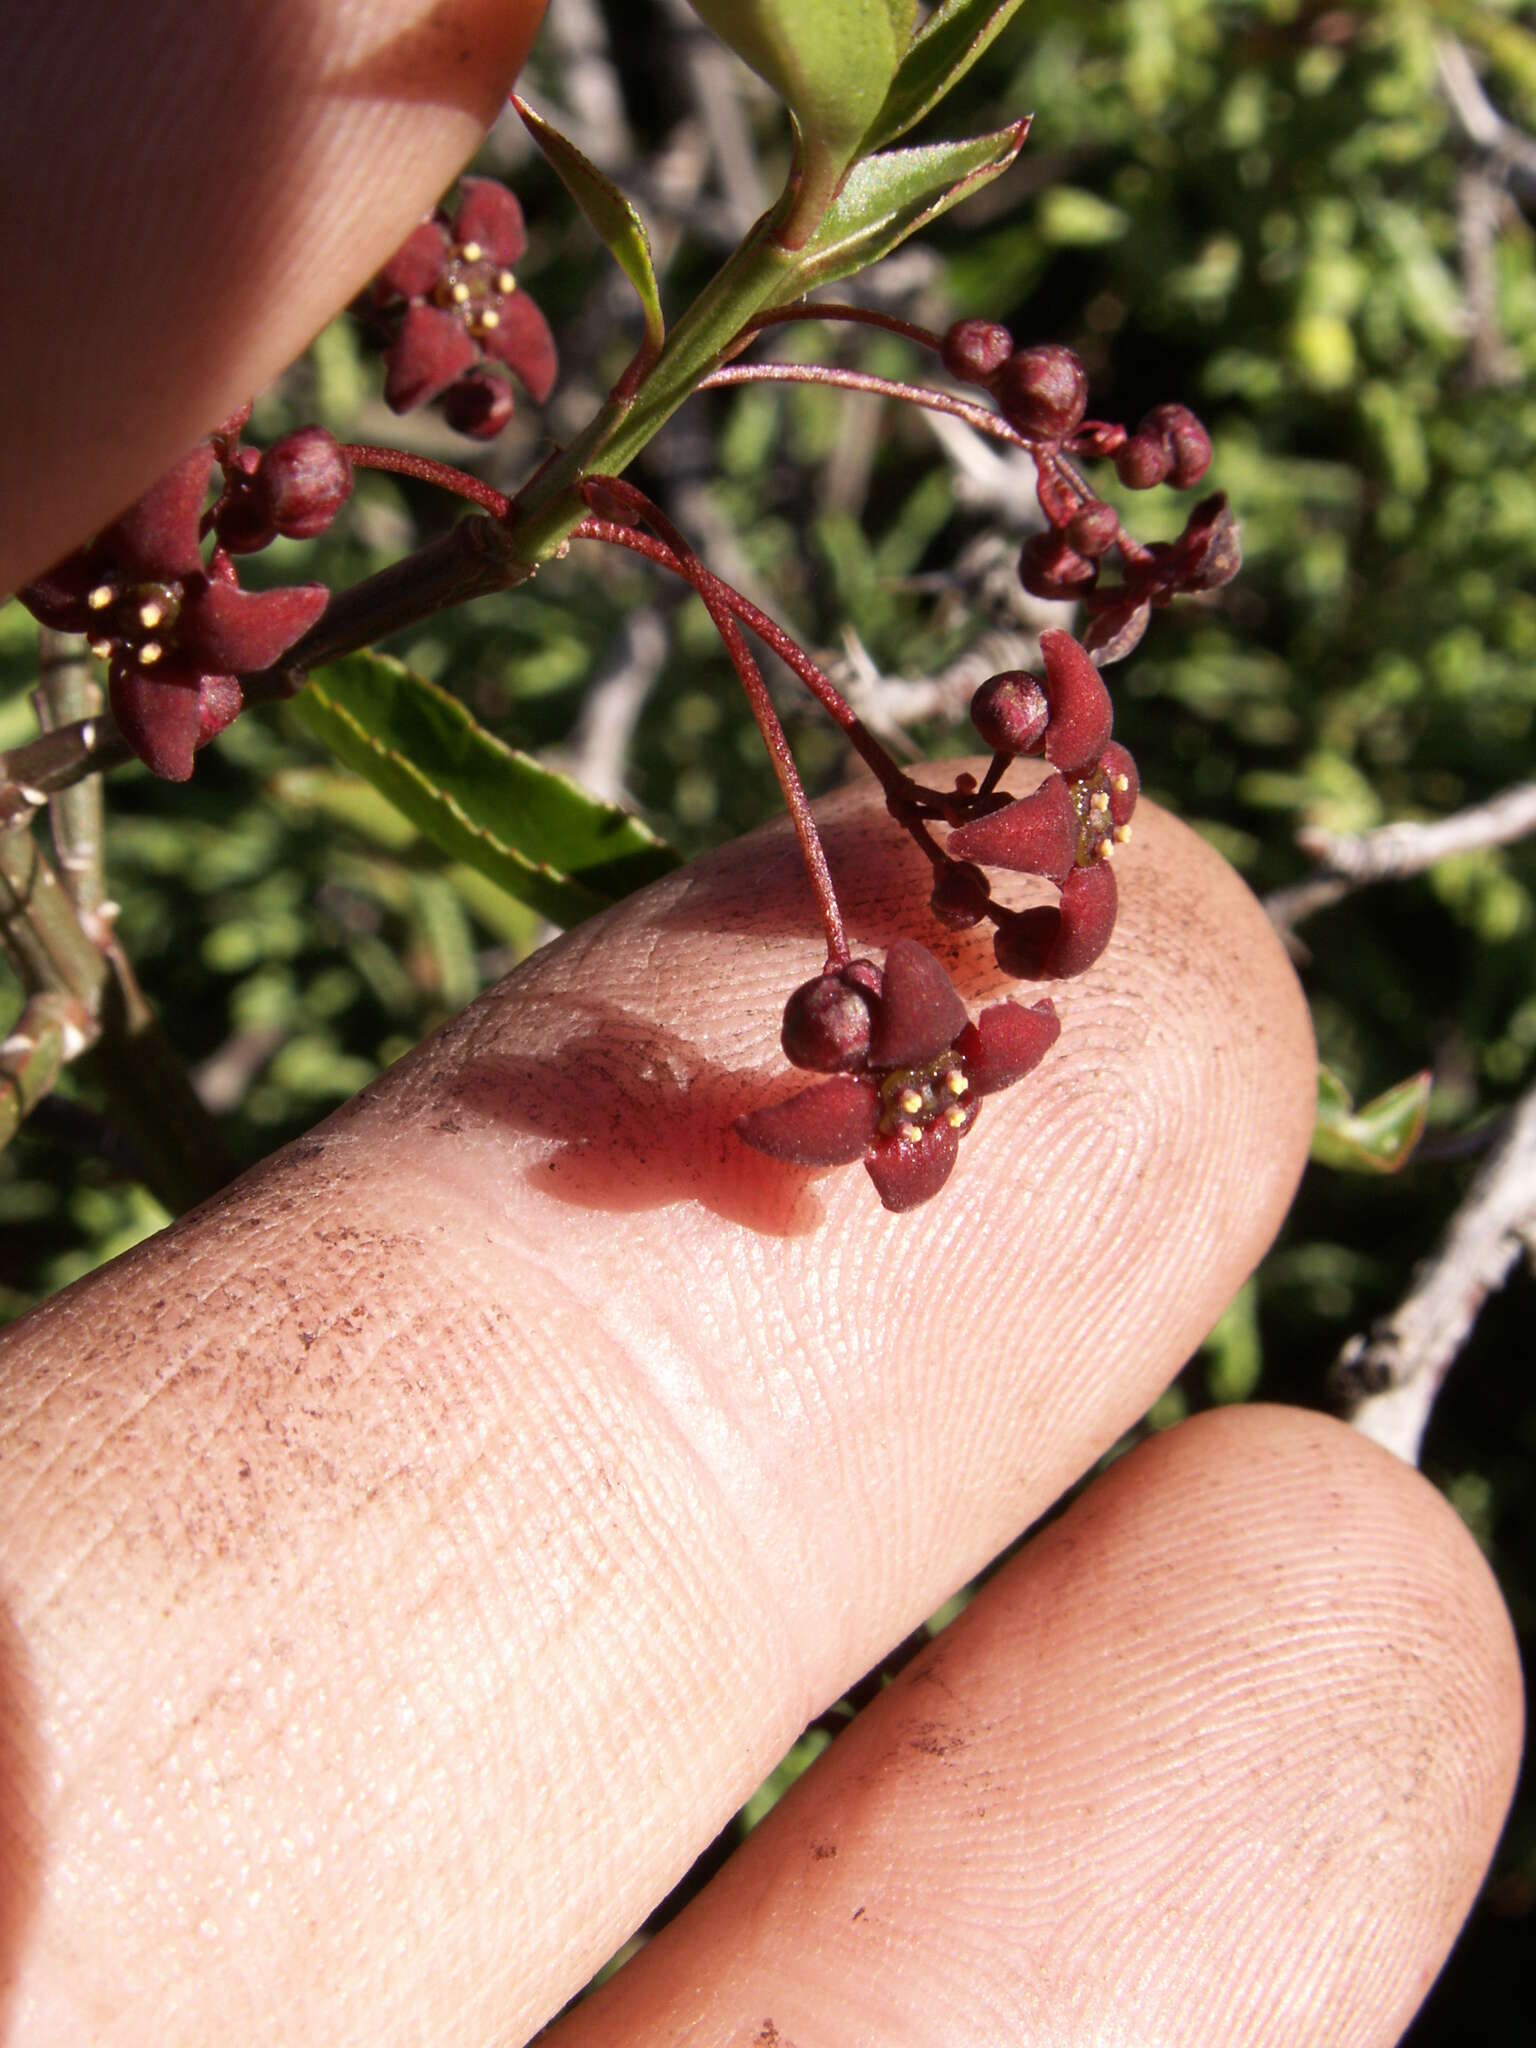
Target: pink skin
410, 1562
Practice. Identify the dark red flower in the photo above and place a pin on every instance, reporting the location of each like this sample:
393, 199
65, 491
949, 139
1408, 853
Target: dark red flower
176, 635
450, 298
1066, 829
919, 1071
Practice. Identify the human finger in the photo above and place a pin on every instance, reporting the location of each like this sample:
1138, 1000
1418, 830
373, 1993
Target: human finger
420, 1551
187, 194
1222, 1757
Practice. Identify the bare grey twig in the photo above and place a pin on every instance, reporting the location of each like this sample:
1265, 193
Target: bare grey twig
1393, 852
1391, 1376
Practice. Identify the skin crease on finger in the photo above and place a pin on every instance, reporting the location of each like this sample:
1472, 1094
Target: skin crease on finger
416, 1554
1221, 1758
194, 191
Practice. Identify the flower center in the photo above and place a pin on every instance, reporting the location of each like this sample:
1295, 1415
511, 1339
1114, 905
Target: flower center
138, 616
474, 286
912, 1099
1097, 833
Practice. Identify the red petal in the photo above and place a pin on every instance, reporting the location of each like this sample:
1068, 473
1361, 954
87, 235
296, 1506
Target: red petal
828, 1125
917, 1014
158, 717
905, 1175
488, 214
157, 536
220, 701
1081, 713
522, 340
1050, 945
418, 263
1115, 633
58, 598
229, 631
431, 349
1005, 1042
1036, 836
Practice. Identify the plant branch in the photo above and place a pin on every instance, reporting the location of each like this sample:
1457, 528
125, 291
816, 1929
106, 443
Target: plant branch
1391, 1377
864, 316
1393, 852
364, 455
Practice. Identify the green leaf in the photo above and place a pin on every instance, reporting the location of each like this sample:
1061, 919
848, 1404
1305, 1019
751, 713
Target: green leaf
611, 214
537, 834
888, 197
830, 61
949, 43
1378, 1138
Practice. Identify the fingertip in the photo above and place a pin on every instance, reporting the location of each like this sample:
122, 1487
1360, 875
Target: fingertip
193, 192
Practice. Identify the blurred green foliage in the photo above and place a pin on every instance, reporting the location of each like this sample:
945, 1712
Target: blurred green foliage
1263, 208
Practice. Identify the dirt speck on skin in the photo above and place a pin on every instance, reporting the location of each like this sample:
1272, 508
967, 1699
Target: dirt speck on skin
934, 1739
822, 1850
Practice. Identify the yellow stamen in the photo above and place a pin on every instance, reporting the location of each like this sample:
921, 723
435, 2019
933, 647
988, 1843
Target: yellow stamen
956, 1082
505, 282
150, 653
1104, 849
101, 597
1098, 801
150, 615
490, 318
955, 1118
471, 252
1122, 834
102, 649
911, 1102
1121, 782
459, 293
909, 1133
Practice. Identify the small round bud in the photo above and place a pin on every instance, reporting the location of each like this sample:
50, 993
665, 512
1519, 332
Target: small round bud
961, 893
1043, 391
827, 1022
1010, 712
1185, 442
479, 406
1048, 567
1143, 462
975, 349
1093, 528
303, 481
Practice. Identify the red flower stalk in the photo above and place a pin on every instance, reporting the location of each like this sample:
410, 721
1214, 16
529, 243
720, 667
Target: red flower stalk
451, 300
177, 635
908, 1070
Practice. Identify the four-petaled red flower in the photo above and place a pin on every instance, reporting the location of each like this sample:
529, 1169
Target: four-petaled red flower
908, 1070
459, 305
177, 635
1067, 828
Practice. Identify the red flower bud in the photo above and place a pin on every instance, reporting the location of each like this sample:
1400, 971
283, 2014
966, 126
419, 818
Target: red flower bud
1043, 391
303, 481
1093, 529
1048, 567
1010, 712
974, 349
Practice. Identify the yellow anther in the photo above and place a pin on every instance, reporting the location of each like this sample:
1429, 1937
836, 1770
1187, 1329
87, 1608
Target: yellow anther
956, 1082
459, 293
101, 597
910, 1101
1122, 834
102, 649
150, 615
490, 318
471, 252
909, 1133
955, 1118
1104, 849
1120, 782
1098, 801
505, 282
149, 653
